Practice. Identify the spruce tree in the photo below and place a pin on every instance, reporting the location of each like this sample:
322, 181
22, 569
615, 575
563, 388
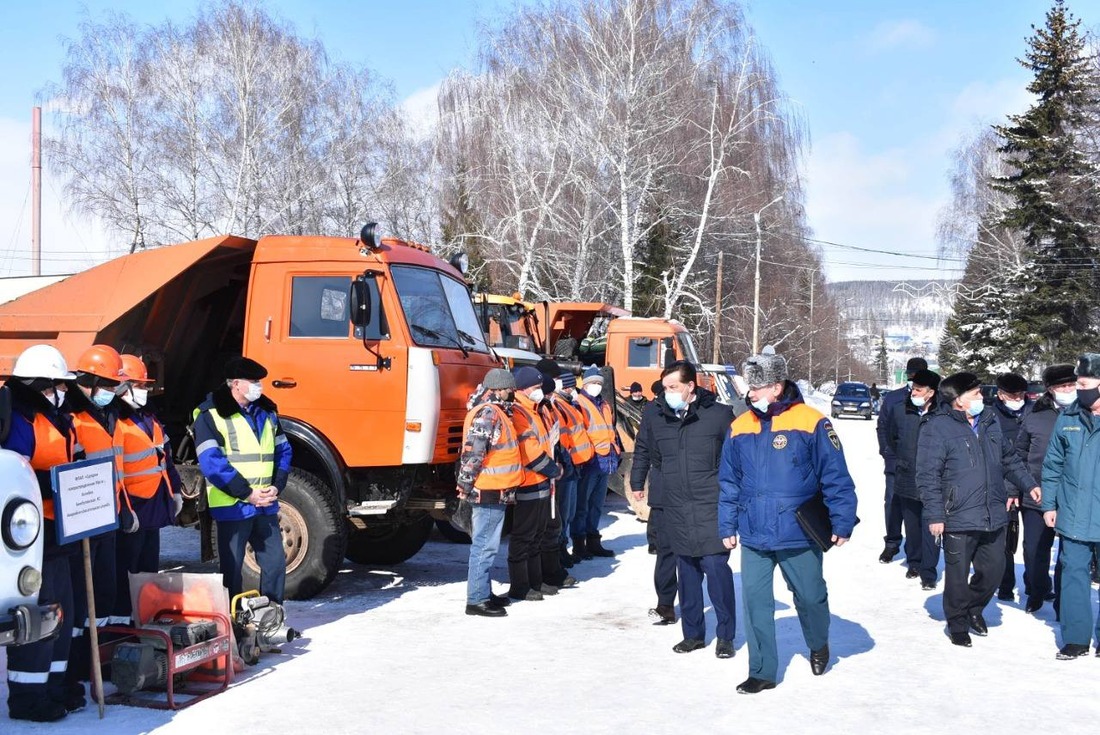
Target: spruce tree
1051, 314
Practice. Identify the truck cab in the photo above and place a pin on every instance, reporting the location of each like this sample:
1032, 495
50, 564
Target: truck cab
22, 619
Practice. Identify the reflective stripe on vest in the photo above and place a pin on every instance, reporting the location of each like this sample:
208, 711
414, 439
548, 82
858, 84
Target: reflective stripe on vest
574, 437
143, 464
51, 448
502, 468
599, 424
533, 440
253, 458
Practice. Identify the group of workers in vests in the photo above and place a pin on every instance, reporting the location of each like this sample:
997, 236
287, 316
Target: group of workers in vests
99, 411
533, 441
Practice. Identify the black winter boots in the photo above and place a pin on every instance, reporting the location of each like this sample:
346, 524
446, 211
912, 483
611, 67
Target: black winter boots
595, 548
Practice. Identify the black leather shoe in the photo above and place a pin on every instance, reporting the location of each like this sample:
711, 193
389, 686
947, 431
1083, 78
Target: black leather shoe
977, 624
1034, 604
500, 600
754, 686
819, 660
74, 700
486, 609
663, 615
928, 586
1072, 650
887, 555
1006, 595
961, 639
40, 710
653, 548
724, 648
912, 573
688, 645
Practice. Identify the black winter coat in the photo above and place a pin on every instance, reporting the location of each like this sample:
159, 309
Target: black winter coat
1010, 428
902, 429
1032, 441
961, 475
644, 440
686, 454
889, 400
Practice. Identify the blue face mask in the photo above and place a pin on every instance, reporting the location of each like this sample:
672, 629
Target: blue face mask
674, 400
102, 397
976, 407
761, 405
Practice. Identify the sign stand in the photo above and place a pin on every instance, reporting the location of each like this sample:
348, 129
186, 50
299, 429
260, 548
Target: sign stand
93, 629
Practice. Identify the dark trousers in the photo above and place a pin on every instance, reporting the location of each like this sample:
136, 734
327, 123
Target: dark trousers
102, 551
664, 570
36, 671
719, 578
802, 571
1012, 540
134, 553
965, 594
921, 551
263, 534
550, 544
529, 518
1038, 541
893, 515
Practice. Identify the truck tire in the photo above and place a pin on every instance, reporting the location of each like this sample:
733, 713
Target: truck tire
314, 537
387, 545
452, 534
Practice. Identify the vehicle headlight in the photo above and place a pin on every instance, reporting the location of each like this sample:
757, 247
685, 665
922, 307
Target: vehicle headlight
21, 524
865, 404
836, 403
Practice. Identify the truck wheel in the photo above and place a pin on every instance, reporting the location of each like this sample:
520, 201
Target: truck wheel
452, 534
314, 537
390, 544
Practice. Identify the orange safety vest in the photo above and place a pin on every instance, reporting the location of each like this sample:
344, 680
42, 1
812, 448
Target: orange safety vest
534, 439
502, 468
574, 437
143, 464
51, 448
98, 444
599, 424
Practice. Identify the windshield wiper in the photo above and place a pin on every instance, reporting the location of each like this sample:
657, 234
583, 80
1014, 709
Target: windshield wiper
432, 334
468, 337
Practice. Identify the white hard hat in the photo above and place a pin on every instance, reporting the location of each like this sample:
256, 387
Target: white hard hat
42, 361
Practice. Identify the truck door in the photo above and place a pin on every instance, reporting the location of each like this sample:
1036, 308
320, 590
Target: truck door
321, 369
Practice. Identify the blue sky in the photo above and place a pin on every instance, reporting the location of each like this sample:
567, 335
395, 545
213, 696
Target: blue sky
886, 90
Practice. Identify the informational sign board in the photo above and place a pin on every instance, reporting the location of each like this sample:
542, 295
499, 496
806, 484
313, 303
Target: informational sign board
84, 499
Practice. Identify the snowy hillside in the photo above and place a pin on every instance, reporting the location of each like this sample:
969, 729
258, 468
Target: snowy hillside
390, 651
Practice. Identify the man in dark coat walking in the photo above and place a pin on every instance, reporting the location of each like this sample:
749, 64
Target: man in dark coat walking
1031, 443
962, 465
922, 555
683, 442
664, 567
892, 539
780, 454
1011, 405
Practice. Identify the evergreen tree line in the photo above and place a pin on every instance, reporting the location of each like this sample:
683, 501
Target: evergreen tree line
610, 150
1026, 216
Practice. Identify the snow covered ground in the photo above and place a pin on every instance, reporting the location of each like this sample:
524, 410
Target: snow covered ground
390, 651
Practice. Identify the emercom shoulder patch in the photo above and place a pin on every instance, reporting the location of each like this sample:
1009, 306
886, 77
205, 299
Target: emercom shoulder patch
833, 438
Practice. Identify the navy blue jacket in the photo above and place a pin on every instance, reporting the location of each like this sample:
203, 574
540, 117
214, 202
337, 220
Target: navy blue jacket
1071, 474
961, 474
685, 454
642, 468
889, 400
1010, 427
1032, 441
772, 463
903, 424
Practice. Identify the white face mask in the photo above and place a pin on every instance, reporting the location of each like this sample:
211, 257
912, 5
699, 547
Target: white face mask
1014, 405
57, 398
918, 401
137, 397
558, 386
593, 389
537, 395
255, 390
761, 405
1064, 399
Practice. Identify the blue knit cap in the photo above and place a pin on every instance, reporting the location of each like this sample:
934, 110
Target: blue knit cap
591, 375
568, 380
527, 377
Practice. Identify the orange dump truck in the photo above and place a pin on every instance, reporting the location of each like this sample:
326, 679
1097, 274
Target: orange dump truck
372, 347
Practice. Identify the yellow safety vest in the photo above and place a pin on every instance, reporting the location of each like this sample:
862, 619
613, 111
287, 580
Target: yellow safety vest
253, 458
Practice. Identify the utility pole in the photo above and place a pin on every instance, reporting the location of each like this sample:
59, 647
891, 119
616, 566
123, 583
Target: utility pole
756, 286
36, 191
717, 312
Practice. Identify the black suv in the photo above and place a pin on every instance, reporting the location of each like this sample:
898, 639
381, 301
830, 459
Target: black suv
852, 399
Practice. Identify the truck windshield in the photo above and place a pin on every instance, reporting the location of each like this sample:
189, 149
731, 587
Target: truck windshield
438, 309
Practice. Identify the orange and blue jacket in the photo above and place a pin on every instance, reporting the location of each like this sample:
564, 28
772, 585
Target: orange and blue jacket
773, 462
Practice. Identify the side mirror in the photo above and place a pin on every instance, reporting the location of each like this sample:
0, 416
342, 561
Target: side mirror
360, 301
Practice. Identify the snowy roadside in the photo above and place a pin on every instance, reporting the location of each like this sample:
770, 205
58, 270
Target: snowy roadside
390, 651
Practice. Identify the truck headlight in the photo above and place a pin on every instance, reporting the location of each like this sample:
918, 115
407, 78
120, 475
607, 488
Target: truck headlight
21, 524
